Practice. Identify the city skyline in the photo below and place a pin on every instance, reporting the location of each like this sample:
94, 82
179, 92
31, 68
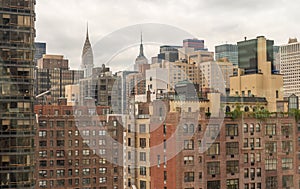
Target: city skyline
233, 26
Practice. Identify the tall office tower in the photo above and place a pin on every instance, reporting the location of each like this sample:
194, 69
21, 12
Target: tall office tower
141, 59
248, 51
40, 50
289, 67
87, 57
99, 87
228, 51
255, 76
168, 53
196, 44
16, 94
53, 74
78, 147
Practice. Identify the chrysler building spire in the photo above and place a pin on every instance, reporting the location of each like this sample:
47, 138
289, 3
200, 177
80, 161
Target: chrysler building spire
87, 57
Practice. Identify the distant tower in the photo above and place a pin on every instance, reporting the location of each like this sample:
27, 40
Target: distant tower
87, 58
141, 59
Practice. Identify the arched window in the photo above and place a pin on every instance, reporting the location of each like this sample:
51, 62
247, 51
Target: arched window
245, 128
227, 109
257, 127
246, 109
192, 128
185, 128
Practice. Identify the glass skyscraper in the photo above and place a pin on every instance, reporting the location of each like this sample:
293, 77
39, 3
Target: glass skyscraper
16, 93
248, 52
228, 51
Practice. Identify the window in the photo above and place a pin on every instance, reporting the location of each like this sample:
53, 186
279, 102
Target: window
251, 128
85, 152
214, 149
142, 142
231, 129
165, 129
102, 142
102, 170
270, 130
271, 182
271, 164
245, 143
252, 173
188, 144
232, 184
43, 143
43, 134
129, 155
212, 131
287, 163
214, 184
257, 127
85, 171
271, 147
258, 157
246, 158
102, 161
143, 184
142, 128
246, 173
257, 142
60, 153
232, 148
102, 180
188, 160
60, 172
189, 177
258, 172
286, 130
232, 167
129, 141
213, 168
60, 143
245, 128
142, 156
287, 146
43, 173
143, 170
43, 153
287, 181
185, 128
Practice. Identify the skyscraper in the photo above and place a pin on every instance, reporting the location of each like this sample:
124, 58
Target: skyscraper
248, 54
87, 58
141, 59
16, 94
40, 50
194, 43
289, 67
53, 74
228, 51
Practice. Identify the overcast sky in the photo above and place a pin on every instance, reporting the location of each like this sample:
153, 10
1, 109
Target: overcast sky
115, 25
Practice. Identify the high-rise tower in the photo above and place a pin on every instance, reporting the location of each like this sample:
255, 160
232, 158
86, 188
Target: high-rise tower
87, 57
16, 94
141, 59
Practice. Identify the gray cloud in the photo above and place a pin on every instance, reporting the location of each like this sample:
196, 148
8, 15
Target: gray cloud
62, 23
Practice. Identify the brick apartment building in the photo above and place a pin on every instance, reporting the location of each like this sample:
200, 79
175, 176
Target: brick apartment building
247, 153
78, 147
